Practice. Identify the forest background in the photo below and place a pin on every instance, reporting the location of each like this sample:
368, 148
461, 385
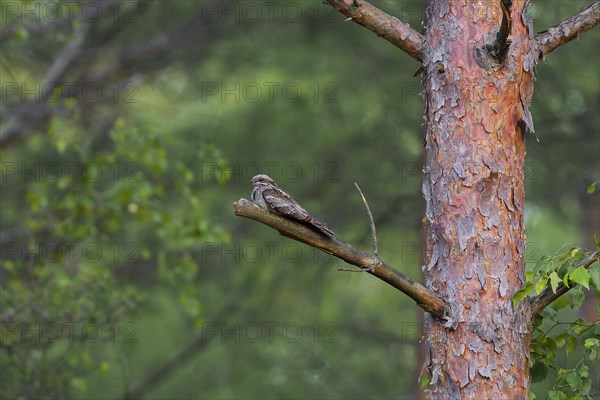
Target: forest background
129, 128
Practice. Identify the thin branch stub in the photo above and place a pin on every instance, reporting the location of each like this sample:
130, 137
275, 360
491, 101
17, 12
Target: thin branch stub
373, 230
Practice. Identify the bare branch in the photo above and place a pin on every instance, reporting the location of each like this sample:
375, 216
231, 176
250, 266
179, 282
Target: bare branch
64, 60
388, 27
549, 40
373, 230
424, 297
545, 298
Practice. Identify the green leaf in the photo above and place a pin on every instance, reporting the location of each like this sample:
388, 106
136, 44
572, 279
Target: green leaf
586, 385
592, 345
571, 344
550, 345
539, 371
537, 321
595, 275
592, 187
574, 380
596, 329
574, 252
541, 284
567, 256
560, 303
522, 293
566, 280
583, 371
579, 326
562, 339
537, 268
424, 382
581, 276
554, 281
578, 299
557, 395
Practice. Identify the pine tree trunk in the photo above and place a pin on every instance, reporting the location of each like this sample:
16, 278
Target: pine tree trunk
477, 117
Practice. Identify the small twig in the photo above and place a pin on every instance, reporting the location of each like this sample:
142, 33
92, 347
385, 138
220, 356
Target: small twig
373, 236
373, 230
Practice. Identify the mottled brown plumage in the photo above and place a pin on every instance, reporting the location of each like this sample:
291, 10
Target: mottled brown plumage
266, 194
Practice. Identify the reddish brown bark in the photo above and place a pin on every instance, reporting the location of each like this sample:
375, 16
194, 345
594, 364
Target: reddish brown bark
476, 114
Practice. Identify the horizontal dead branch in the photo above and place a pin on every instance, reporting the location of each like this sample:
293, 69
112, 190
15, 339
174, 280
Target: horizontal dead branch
424, 297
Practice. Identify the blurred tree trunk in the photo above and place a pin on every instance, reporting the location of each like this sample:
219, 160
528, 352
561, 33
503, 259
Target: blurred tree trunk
477, 93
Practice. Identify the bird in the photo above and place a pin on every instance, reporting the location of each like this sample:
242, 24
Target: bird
267, 195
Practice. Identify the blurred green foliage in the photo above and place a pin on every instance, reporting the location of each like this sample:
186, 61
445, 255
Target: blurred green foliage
124, 271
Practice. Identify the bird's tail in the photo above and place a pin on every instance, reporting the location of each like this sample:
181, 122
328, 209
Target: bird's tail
322, 227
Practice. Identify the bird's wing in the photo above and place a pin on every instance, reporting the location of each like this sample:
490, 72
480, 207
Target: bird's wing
282, 203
